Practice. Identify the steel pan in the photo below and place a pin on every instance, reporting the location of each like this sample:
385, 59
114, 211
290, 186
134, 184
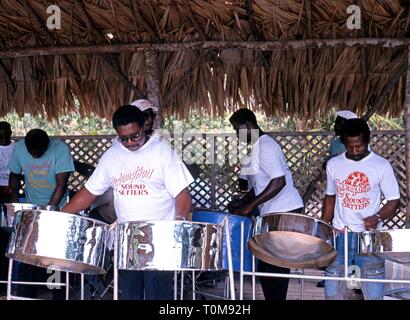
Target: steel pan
59, 241
292, 240
9, 210
234, 222
393, 245
397, 272
169, 245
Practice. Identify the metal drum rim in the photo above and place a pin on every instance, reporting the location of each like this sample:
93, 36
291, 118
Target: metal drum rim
305, 216
19, 203
180, 221
14, 256
65, 214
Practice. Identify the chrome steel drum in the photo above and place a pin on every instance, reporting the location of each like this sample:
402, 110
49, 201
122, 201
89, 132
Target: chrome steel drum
393, 245
9, 210
397, 271
169, 245
234, 222
292, 240
59, 241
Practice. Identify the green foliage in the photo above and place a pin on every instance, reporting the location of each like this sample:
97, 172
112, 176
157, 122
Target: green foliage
74, 124
71, 124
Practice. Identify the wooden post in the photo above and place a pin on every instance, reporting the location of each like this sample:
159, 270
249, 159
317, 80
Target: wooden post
152, 84
407, 138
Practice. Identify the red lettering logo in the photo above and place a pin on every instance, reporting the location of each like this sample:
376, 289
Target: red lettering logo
353, 191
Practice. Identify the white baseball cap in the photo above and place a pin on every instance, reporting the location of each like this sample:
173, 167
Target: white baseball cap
346, 114
143, 105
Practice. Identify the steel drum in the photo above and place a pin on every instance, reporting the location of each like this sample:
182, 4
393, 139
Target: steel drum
397, 272
169, 245
393, 245
292, 240
59, 241
234, 222
9, 210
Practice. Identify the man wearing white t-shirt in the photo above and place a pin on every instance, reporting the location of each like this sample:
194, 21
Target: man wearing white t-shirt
6, 147
271, 189
356, 181
104, 204
150, 182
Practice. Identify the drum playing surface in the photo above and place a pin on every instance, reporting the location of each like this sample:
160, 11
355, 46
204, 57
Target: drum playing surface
293, 240
291, 250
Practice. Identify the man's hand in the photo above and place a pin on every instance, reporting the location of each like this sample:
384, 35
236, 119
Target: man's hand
244, 210
371, 222
235, 203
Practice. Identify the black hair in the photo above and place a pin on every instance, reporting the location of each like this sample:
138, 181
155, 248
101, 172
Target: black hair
243, 115
354, 128
5, 126
127, 114
37, 140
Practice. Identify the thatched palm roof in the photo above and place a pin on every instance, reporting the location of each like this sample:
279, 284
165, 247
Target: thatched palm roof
206, 76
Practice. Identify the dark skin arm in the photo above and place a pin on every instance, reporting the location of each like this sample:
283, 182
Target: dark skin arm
328, 208
272, 189
183, 204
386, 212
81, 201
14, 184
60, 189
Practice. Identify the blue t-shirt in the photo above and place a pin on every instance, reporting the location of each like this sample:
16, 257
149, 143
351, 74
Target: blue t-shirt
40, 173
336, 147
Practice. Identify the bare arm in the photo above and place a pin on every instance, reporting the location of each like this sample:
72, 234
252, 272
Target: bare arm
60, 189
386, 212
328, 208
183, 204
271, 190
14, 184
81, 201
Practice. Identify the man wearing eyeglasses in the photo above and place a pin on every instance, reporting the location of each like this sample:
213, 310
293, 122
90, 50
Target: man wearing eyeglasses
150, 182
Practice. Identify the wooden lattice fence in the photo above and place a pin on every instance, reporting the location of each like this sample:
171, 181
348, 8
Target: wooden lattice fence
218, 158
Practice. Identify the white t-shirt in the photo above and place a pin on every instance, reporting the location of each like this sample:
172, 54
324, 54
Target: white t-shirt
5, 153
145, 181
265, 163
358, 187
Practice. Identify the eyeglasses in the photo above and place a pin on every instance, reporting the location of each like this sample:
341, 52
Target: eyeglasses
134, 137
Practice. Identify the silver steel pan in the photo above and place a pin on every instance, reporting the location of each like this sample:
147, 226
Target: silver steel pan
169, 245
9, 210
292, 240
393, 245
59, 241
